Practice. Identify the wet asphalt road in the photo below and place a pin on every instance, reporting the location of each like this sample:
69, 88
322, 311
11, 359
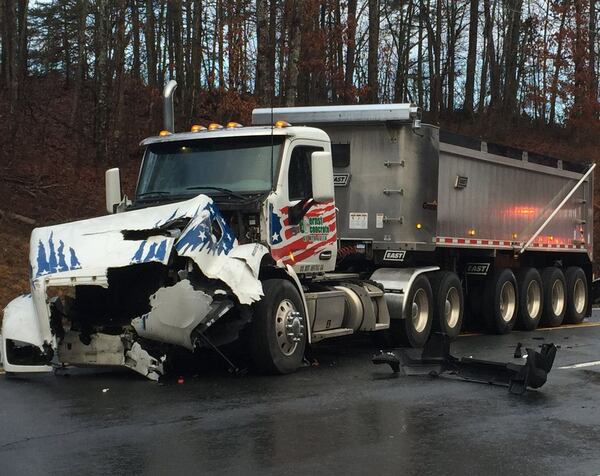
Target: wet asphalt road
344, 416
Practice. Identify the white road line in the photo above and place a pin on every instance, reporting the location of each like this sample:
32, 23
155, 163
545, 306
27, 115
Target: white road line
581, 365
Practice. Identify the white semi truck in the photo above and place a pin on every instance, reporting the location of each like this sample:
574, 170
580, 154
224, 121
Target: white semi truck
315, 222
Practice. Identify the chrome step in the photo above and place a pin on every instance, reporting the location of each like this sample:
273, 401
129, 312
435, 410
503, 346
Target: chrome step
317, 336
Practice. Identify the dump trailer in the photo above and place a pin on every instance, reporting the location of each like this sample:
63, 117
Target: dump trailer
314, 222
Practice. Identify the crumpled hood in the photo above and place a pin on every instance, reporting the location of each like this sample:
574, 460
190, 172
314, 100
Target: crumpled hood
95, 244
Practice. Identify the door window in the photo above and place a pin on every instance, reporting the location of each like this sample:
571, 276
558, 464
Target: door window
299, 176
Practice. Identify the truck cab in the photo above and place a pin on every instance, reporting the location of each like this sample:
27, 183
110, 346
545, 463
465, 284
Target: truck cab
273, 184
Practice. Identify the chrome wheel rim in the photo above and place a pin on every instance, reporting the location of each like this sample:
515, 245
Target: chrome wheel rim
558, 297
534, 299
452, 307
420, 310
508, 301
289, 327
579, 296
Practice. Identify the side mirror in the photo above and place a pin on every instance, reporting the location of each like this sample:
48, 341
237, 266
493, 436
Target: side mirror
113, 189
322, 176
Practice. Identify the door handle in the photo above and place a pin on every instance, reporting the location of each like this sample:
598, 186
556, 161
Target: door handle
325, 255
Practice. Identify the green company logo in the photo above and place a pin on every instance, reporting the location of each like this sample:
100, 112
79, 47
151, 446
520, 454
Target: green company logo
315, 226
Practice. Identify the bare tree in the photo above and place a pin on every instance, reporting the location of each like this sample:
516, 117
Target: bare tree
150, 37
294, 53
471, 56
373, 66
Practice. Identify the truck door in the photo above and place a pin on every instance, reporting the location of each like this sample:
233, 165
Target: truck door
302, 232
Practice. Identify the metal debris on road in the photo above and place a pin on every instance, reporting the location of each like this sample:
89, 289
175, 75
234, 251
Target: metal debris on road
519, 352
436, 360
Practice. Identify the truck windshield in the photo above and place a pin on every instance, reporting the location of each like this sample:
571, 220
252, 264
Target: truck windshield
212, 166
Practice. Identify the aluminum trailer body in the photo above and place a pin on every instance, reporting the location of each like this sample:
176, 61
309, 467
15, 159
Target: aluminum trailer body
504, 196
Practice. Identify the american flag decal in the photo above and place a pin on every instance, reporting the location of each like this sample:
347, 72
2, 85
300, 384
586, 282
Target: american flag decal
295, 243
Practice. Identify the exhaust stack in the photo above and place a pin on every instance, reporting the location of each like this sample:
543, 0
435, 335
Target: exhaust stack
168, 114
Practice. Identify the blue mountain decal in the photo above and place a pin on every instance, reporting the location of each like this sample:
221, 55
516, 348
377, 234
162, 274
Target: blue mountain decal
51, 260
156, 251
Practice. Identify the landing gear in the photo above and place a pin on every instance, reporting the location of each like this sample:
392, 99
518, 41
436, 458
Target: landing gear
278, 329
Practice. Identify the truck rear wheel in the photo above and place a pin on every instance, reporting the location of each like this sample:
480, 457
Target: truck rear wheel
414, 329
500, 301
531, 298
577, 295
448, 303
555, 296
278, 329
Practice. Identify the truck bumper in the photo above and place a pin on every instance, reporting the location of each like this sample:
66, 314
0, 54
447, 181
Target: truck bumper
20, 333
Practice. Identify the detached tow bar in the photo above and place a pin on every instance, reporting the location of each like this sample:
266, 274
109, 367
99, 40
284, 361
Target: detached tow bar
436, 360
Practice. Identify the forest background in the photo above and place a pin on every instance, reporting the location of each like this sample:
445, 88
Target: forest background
81, 81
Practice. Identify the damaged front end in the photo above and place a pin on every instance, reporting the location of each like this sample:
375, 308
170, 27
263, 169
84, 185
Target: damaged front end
127, 289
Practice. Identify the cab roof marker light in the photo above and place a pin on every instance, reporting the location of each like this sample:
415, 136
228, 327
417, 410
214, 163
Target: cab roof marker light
282, 124
164, 133
213, 126
197, 128
234, 125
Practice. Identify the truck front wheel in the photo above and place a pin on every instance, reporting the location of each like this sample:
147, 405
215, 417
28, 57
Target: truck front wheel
278, 329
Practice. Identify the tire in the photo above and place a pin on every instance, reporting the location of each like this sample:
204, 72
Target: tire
531, 298
414, 329
500, 301
271, 349
448, 303
577, 295
555, 296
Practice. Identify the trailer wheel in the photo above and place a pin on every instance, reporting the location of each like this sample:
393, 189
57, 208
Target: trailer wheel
414, 329
500, 301
448, 303
577, 295
555, 296
278, 329
531, 298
